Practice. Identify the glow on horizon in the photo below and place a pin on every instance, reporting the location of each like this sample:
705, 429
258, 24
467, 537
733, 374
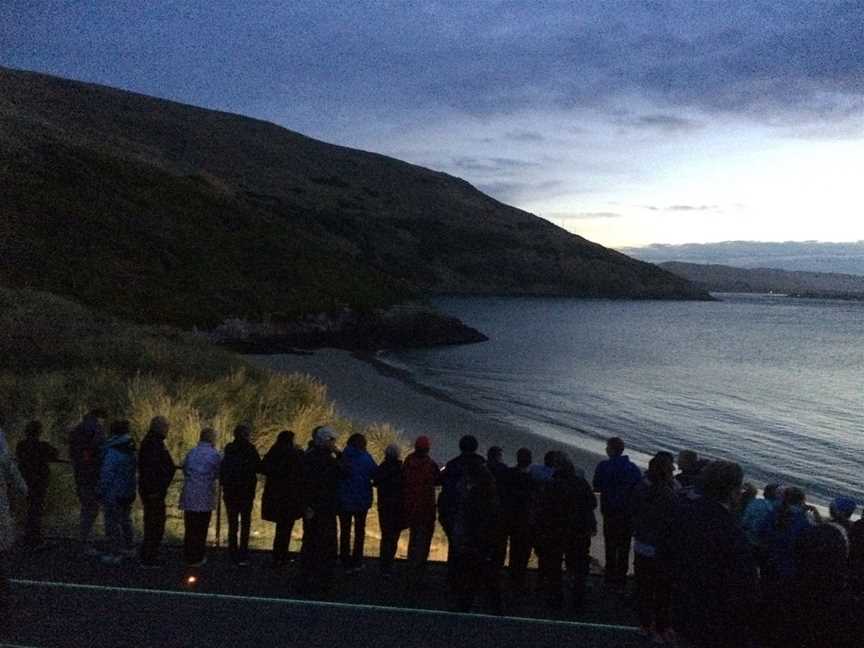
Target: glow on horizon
790, 190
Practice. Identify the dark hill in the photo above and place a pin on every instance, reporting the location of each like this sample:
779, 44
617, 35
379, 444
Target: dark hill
163, 212
722, 278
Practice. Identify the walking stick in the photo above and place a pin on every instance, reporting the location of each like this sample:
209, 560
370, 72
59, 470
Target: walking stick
218, 515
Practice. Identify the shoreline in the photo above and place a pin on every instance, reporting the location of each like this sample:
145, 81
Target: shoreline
368, 390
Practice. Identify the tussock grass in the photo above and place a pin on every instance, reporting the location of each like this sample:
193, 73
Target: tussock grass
59, 359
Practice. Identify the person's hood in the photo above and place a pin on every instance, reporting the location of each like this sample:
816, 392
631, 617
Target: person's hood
237, 446
154, 437
90, 423
122, 442
351, 452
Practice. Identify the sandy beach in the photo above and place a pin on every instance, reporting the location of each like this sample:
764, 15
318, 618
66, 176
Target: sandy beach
367, 391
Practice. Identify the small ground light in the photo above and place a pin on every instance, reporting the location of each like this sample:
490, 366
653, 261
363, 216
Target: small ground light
191, 579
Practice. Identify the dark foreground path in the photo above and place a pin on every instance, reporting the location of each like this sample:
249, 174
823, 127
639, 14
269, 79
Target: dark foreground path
66, 600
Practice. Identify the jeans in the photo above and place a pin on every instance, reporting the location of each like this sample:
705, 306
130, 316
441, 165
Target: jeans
352, 557
118, 526
154, 526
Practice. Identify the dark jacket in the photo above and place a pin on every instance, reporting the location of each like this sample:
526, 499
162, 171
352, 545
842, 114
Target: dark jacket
690, 478
33, 459
817, 607
566, 509
388, 481
518, 501
238, 472
856, 557
85, 450
155, 467
615, 479
477, 526
778, 540
715, 579
449, 501
321, 475
282, 500
653, 509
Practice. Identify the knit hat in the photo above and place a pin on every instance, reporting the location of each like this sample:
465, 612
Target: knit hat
422, 443
844, 505
323, 435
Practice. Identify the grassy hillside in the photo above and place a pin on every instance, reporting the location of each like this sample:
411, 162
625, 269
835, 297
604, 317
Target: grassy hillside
161, 212
59, 359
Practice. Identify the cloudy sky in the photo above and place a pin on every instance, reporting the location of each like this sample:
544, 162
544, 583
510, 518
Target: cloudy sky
627, 122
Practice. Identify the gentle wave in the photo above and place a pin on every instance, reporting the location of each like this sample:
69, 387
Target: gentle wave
772, 383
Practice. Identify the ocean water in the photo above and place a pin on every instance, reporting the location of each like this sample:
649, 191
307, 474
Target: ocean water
771, 382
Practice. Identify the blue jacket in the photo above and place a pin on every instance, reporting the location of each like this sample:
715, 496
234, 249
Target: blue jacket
117, 475
355, 488
779, 542
615, 479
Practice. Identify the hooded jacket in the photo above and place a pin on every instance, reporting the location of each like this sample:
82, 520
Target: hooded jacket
282, 500
452, 492
566, 509
117, 479
654, 510
322, 473
355, 488
239, 471
716, 583
388, 480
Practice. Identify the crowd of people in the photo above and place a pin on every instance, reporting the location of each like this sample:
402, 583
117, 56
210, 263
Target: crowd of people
713, 562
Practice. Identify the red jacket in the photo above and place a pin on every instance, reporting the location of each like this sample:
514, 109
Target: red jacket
420, 476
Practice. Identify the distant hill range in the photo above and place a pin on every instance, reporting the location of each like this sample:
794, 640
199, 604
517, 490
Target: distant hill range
721, 278
808, 256
161, 212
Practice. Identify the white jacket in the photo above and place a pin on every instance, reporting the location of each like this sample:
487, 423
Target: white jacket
9, 477
200, 471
